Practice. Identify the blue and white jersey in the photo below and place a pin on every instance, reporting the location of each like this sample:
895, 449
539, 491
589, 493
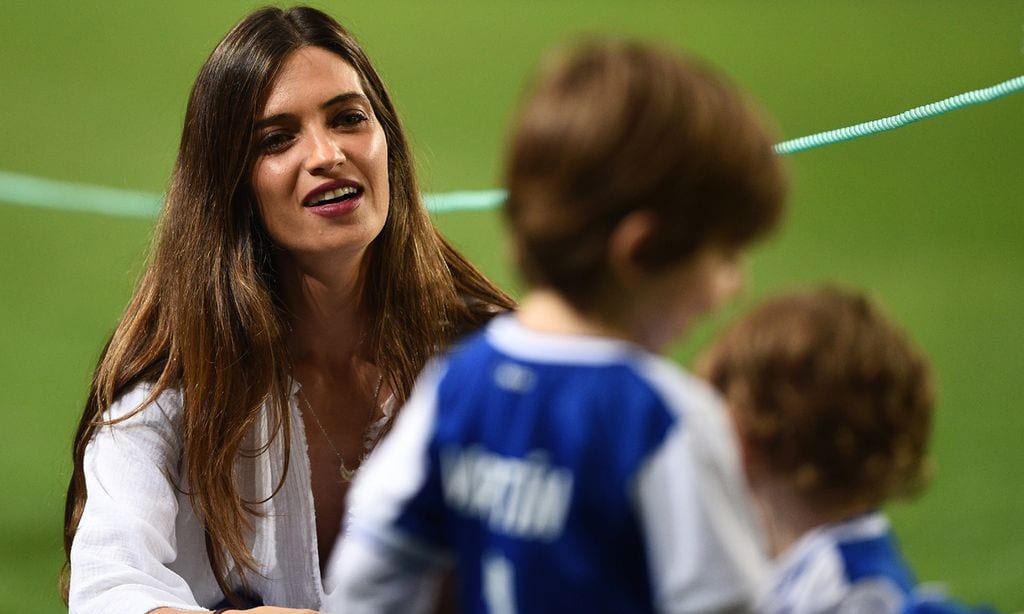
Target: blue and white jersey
561, 474
852, 567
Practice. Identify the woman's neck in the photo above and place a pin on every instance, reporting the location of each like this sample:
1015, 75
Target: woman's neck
326, 310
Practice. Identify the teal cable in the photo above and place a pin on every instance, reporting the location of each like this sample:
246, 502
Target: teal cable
464, 201
898, 121
18, 189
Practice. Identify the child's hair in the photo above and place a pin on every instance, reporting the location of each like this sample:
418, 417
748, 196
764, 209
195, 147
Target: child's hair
613, 127
828, 395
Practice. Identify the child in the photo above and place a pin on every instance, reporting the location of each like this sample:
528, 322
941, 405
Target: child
833, 407
556, 458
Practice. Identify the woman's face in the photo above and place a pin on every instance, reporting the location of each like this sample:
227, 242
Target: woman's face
321, 176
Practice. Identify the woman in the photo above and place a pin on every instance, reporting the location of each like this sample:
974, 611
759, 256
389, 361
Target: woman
295, 289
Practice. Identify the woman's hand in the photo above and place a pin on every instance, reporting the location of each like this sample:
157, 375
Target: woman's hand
259, 610
266, 609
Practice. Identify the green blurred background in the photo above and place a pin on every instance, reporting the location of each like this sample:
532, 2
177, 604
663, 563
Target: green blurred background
927, 219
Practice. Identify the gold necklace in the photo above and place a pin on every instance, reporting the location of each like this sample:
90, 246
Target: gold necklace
344, 472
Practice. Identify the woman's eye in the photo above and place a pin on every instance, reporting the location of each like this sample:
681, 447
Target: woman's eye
274, 142
350, 119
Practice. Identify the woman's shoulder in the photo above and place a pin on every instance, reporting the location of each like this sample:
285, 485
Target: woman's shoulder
143, 403
476, 313
143, 420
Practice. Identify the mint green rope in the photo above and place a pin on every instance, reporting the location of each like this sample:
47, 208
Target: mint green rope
18, 189
463, 201
898, 121
32, 191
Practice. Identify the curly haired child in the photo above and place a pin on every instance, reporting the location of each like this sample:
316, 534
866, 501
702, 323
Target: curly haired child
833, 406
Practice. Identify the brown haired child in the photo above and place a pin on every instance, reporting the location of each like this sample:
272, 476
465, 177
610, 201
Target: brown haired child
560, 461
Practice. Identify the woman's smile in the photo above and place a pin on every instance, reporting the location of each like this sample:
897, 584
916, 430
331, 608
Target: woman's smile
334, 198
321, 178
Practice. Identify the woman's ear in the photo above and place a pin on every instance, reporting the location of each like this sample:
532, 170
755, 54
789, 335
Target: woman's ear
627, 241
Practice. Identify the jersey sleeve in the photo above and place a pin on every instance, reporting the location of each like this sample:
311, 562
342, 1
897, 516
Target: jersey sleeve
126, 537
392, 554
704, 550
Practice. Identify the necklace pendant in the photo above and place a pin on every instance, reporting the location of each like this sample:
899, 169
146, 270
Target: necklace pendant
345, 473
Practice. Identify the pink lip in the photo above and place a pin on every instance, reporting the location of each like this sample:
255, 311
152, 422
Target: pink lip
337, 209
334, 209
330, 185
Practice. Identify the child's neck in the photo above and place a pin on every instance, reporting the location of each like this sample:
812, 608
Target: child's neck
787, 516
546, 311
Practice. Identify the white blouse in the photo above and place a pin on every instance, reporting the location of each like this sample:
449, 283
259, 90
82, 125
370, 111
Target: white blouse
139, 546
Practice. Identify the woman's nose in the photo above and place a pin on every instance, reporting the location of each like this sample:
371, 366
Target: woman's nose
325, 153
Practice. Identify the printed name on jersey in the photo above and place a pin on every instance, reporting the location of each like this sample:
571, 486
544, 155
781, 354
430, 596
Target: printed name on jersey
520, 497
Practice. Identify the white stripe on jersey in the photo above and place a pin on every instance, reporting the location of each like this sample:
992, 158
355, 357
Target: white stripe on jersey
811, 576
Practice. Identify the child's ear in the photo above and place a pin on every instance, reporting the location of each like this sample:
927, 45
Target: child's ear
627, 241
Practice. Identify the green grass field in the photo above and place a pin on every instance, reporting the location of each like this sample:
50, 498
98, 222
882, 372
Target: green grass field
928, 219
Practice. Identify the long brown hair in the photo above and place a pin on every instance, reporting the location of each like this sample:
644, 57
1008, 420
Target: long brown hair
205, 317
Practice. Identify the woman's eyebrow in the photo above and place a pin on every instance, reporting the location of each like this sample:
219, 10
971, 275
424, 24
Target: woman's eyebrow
347, 96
